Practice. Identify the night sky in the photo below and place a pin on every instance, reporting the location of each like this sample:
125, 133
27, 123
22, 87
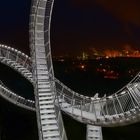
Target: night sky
14, 23
76, 25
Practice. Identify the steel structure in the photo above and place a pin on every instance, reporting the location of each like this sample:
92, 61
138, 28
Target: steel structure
121, 108
21, 63
69, 99
49, 119
51, 95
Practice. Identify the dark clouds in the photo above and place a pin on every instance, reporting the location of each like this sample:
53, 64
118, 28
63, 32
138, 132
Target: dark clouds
95, 23
76, 24
125, 10
14, 21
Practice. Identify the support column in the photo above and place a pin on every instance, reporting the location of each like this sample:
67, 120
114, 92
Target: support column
94, 133
49, 119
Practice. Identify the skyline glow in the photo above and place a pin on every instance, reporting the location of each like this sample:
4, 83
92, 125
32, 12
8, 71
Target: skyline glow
76, 26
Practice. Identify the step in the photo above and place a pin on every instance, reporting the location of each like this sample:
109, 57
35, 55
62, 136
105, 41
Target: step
41, 57
41, 60
95, 134
10, 61
25, 71
42, 68
46, 98
45, 94
44, 90
17, 66
50, 133
52, 138
44, 86
41, 63
41, 94
47, 106
49, 127
46, 102
42, 73
42, 107
41, 50
50, 116
47, 121
43, 82
29, 74
46, 111
43, 77
21, 68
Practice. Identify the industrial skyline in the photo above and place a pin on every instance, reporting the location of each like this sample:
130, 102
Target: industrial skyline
74, 28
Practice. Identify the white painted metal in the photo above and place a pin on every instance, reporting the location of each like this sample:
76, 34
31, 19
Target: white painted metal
116, 110
16, 99
42, 69
94, 133
121, 108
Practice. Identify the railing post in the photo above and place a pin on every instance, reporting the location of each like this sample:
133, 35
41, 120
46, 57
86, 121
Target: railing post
81, 109
92, 107
119, 103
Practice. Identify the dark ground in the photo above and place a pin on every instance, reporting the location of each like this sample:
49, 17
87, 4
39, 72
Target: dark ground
20, 124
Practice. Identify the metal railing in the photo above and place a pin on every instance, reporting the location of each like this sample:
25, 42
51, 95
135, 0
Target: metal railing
122, 104
16, 99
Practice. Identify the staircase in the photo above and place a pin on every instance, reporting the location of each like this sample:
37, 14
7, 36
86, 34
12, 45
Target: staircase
94, 133
45, 97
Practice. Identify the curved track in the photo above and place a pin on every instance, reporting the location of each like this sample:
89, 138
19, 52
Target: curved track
121, 108
16, 99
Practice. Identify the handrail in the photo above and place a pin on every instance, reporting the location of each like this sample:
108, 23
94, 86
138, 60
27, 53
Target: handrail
121, 102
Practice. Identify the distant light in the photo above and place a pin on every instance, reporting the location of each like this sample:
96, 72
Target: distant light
62, 60
82, 66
